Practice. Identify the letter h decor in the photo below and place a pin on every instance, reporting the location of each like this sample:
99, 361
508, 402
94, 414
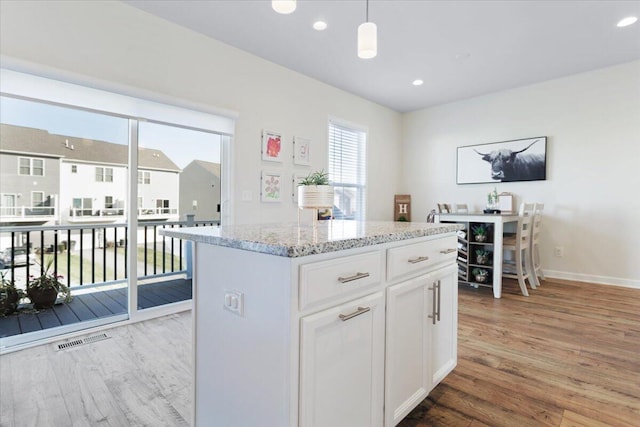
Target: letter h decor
402, 207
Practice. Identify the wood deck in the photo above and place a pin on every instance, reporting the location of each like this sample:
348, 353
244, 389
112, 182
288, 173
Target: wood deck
95, 305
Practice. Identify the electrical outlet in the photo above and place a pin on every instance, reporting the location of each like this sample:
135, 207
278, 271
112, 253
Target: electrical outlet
559, 251
234, 302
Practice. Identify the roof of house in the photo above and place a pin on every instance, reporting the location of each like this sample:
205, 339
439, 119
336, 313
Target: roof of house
213, 168
19, 139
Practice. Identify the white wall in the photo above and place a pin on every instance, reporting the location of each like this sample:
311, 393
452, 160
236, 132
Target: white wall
117, 43
592, 207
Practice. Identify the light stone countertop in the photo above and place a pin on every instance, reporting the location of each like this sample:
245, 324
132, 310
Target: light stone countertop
291, 240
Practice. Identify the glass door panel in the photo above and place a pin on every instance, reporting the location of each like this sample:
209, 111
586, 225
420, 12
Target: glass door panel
178, 185
71, 163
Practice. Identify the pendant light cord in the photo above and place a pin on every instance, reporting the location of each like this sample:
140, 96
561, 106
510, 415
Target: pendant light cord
367, 11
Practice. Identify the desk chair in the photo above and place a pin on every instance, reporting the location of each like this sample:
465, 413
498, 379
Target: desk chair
536, 267
520, 244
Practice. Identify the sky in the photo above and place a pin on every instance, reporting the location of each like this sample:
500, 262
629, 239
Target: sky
180, 145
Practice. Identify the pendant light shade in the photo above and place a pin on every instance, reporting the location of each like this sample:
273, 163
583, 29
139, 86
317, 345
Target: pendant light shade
367, 40
283, 6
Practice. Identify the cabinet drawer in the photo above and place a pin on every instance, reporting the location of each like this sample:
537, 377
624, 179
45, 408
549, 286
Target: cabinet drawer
338, 278
420, 257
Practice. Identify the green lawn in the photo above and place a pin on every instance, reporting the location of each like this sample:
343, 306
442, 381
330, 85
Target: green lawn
107, 274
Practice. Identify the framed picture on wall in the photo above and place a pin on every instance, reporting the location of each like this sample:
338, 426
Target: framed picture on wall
297, 177
271, 186
301, 148
271, 146
506, 161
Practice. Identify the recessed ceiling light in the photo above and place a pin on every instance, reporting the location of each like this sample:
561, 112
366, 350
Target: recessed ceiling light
319, 25
625, 22
463, 56
417, 82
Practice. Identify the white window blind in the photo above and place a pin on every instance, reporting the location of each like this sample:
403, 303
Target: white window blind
347, 171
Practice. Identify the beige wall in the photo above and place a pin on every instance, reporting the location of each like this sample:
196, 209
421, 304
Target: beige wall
116, 43
592, 121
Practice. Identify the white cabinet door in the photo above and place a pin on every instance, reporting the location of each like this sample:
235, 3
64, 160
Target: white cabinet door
444, 332
407, 374
342, 365
422, 325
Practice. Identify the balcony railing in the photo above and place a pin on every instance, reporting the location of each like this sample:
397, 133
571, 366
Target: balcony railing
80, 212
92, 255
27, 211
157, 212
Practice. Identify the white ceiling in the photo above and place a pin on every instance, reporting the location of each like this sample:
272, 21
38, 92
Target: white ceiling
460, 49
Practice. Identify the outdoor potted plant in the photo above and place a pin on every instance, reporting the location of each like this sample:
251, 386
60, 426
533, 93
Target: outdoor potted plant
43, 291
479, 233
9, 296
480, 274
314, 191
482, 256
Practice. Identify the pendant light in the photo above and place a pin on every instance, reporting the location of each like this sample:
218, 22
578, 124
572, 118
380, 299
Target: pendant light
367, 38
283, 6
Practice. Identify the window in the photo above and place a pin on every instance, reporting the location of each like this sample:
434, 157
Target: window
82, 207
144, 177
104, 174
347, 171
108, 202
27, 166
74, 168
162, 206
8, 205
37, 198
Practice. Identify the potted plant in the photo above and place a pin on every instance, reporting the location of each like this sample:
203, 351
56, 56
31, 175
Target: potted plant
43, 291
479, 232
314, 191
481, 275
482, 256
9, 296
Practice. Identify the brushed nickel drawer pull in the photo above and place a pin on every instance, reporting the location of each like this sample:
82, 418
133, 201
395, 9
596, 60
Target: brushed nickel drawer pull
433, 316
352, 278
418, 259
447, 251
358, 312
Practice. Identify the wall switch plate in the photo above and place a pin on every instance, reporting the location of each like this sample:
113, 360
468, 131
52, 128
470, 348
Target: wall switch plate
247, 196
559, 251
234, 302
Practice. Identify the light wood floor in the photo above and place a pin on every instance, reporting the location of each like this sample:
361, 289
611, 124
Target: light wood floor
569, 355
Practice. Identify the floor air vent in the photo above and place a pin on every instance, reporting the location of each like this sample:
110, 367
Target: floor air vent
82, 341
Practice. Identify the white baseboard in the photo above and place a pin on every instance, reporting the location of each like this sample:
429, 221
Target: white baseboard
602, 280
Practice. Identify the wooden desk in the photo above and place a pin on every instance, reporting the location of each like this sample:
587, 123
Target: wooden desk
498, 221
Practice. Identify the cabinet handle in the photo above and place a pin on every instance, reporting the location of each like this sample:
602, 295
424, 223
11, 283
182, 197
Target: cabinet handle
352, 278
418, 259
432, 316
439, 286
447, 251
358, 312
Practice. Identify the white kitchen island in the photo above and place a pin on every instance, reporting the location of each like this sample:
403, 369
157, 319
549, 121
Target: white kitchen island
345, 324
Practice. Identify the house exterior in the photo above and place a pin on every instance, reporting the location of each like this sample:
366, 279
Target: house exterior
200, 190
48, 178
30, 179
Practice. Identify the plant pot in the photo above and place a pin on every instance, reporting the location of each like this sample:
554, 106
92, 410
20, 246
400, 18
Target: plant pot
480, 238
481, 279
482, 259
8, 302
42, 298
315, 196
